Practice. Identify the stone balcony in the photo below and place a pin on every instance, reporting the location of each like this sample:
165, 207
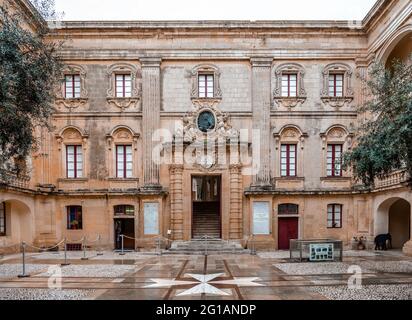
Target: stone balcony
11, 179
395, 179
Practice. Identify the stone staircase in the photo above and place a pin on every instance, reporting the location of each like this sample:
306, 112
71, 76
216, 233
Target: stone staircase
206, 220
211, 246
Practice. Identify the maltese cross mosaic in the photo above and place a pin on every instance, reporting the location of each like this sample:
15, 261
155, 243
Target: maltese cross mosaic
205, 283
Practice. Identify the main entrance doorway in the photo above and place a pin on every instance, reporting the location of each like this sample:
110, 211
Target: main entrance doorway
206, 211
124, 226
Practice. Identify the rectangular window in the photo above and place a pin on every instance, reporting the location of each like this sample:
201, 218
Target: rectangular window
206, 86
2, 219
288, 160
289, 85
123, 85
336, 85
72, 86
74, 218
335, 216
288, 209
74, 161
124, 161
334, 160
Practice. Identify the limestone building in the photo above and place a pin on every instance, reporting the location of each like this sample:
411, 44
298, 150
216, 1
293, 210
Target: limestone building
227, 128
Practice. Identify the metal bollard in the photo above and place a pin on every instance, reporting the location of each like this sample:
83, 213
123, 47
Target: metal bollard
24, 275
65, 263
99, 252
122, 239
84, 249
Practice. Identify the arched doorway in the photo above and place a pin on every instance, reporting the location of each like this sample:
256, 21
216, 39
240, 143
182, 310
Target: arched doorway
16, 222
394, 217
399, 47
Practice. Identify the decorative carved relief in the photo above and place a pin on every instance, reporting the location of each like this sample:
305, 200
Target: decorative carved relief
191, 132
122, 68
290, 102
73, 135
348, 94
72, 103
205, 69
337, 134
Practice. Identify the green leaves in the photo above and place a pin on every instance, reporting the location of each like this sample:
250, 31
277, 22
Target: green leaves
29, 70
385, 140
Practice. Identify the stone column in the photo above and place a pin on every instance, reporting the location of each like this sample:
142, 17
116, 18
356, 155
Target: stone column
235, 222
176, 201
151, 118
261, 102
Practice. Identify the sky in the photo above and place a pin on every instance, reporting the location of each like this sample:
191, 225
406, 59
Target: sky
214, 9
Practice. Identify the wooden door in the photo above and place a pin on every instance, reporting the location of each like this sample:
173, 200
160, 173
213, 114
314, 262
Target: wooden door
125, 227
288, 228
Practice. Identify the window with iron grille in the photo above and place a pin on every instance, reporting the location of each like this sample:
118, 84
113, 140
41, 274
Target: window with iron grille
74, 161
206, 85
122, 210
334, 160
123, 84
124, 161
72, 86
288, 160
288, 209
74, 218
289, 85
2, 219
334, 216
336, 85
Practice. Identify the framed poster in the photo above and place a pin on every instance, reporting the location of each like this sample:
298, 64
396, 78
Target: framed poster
261, 219
151, 217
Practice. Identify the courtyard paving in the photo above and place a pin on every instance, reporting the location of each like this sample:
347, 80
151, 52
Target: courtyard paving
267, 275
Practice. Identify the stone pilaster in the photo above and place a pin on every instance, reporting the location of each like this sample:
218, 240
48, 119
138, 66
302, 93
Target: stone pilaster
176, 201
235, 222
261, 102
151, 118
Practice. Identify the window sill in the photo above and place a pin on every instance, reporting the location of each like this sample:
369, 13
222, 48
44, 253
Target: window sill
290, 179
336, 179
336, 102
71, 103
206, 100
289, 102
73, 180
124, 179
123, 103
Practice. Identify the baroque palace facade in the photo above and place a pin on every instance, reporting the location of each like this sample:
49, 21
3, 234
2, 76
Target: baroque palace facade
220, 128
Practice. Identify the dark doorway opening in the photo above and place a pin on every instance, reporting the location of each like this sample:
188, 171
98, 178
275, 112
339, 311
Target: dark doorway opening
206, 210
124, 226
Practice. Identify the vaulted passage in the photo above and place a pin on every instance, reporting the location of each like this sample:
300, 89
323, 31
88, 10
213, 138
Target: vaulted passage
399, 223
206, 218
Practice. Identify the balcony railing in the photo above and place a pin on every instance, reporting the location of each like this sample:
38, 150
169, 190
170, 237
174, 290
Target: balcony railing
11, 179
393, 179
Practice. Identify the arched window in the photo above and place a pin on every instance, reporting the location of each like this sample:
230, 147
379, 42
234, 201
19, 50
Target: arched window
124, 210
73, 144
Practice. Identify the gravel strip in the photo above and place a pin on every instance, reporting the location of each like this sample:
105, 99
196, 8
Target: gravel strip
43, 294
369, 292
13, 270
316, 268
387, 266
93, 270
286, 254
92, 255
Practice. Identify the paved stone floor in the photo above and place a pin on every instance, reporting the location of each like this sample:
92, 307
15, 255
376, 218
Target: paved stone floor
268, 275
